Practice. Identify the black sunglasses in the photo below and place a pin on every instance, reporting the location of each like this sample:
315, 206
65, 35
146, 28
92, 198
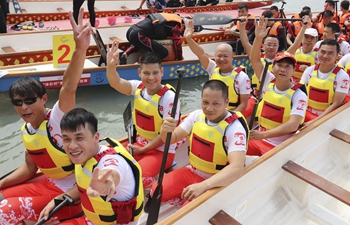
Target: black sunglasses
27, 101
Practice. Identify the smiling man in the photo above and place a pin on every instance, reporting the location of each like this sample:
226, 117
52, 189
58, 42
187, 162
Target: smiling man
41, 135
218, 140
282, 108
152, 104
222, 69
326, 82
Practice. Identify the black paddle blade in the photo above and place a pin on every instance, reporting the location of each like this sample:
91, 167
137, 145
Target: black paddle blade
211, 19
155, 205
127, 116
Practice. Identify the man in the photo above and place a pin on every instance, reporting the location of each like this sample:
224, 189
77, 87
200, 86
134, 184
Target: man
331, 32
42, 139
108, 178
235, 78
282, 108
152, 105
344, 18
275, 11
327, 83
249, 28
305, 55
217, 147
155, 26
320, 26
329, 5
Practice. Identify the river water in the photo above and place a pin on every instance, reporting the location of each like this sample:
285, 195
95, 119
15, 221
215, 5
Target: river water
106, 103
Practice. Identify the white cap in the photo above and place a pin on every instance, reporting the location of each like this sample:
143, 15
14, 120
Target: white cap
311, 31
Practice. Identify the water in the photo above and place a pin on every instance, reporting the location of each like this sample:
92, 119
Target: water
106, 103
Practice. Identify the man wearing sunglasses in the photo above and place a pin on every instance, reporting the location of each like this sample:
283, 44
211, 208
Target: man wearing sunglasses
41, 135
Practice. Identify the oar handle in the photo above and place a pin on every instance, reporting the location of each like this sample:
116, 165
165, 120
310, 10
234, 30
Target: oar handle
67, 200
252, 118
157, 195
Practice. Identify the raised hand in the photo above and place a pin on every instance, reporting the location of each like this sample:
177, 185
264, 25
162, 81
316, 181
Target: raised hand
189, 29
112, 53
82, 32
306, 21
101, 184
261, 29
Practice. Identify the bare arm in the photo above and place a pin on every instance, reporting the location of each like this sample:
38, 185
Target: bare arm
22, 174
260, 32
244, 37
226, 176
195, 48
297, 42
243, 103
338, 100
286, 128
75, 68
119, 84
169, 125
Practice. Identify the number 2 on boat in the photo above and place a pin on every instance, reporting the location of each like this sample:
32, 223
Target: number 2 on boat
62, 49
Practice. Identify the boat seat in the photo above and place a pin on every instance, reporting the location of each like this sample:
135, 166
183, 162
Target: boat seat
340, 135
171, 168
118, 39
125, 8
24, 11
61, 10
8, 49
222, 218
317, 181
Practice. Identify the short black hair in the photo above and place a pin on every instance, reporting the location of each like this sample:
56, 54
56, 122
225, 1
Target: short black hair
345, 4
77, 118
306, 8
331, 42
243, 6
27, 87
334, 26
331, 3
150, 58
267, 14
271, 36
327, 13
274, 8
216, 85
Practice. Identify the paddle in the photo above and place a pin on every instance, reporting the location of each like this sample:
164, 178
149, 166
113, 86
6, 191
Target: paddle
17, 7
199, 28
127, 116
157, 195
215, 19
101, 47
67, 200
252, 118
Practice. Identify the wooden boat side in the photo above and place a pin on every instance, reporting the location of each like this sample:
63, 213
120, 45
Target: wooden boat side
204, 207
56, 15
41, 50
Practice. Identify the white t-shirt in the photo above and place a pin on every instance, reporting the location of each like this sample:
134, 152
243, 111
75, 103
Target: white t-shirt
342, 78
344, 47
165, 107
55, 131
233, 142
126, 186
344, 60
242, 83
299, 105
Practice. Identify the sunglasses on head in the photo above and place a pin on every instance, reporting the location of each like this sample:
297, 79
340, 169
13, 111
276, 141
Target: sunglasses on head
27, 101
